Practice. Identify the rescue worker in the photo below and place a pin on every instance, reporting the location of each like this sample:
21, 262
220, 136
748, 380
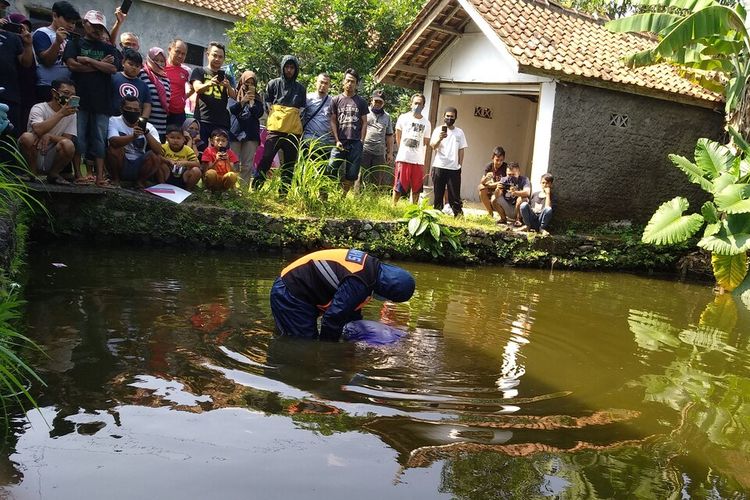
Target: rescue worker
336, 283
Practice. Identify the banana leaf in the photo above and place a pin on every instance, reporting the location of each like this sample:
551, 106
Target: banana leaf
668, 225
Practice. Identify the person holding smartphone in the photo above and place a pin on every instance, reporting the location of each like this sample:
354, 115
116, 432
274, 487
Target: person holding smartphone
49, 44
48, 145
219, 163
213, 90
246, 112
134, 152
15, 53
449, 143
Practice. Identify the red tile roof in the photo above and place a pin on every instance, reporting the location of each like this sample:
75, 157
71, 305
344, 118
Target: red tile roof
549, 40
231, 7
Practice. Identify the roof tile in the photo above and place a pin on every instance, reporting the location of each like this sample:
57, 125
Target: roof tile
580, 46
231, 7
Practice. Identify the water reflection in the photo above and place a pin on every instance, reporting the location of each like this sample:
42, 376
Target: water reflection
510, 383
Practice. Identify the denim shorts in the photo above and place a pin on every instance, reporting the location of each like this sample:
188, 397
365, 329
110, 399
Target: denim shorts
92, 133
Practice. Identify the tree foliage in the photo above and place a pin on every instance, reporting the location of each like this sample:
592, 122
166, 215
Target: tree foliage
327, 36
706, 40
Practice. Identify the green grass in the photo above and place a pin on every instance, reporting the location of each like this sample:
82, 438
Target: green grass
303, 198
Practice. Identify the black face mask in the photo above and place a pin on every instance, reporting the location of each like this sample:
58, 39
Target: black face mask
62, 100
131, 116
450, 121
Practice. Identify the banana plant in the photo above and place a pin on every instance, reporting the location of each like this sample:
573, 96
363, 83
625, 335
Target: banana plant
725, 220
708, 43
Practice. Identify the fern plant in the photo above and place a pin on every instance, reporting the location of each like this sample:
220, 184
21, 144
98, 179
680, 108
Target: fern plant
724, 175
428, 233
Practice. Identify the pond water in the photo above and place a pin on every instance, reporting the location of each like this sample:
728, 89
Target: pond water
165, 381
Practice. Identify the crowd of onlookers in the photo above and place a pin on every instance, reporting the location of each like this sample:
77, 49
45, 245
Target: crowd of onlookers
79, 94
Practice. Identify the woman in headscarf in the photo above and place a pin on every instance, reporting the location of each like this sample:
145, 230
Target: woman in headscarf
154, 75
245, 114
191, 129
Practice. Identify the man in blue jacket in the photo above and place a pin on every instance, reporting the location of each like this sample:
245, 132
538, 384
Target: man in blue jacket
334, 284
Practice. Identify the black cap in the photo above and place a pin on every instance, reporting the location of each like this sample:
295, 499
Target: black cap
378, 94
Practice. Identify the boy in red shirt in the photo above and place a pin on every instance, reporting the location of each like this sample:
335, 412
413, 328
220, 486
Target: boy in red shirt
219, 163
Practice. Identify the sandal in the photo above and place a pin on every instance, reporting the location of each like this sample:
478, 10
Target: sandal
517, 223
57, 180
104, 183
85, 181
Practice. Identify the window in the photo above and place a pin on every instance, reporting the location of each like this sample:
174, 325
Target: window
618, 120
194, 55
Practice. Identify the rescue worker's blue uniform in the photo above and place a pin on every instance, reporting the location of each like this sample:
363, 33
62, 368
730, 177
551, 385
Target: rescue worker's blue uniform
337, 284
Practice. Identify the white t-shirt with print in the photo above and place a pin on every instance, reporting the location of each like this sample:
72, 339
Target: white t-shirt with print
446, 155
137, 148
412, 149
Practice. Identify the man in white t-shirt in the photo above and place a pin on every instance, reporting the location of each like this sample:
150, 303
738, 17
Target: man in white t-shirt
48, 145
133, 153
448, 142
412, 136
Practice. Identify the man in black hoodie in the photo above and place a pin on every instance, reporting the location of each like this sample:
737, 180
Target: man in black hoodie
285, 97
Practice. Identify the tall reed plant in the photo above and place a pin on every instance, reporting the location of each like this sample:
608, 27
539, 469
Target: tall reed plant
13, 190
16, 376
315, 191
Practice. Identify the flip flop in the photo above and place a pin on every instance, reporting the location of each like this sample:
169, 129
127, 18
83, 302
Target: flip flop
58, 181
104, 184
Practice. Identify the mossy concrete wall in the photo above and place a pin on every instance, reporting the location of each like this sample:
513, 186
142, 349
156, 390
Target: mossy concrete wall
123, 216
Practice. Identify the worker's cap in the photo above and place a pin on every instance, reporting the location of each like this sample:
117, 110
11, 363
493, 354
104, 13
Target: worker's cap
394, 283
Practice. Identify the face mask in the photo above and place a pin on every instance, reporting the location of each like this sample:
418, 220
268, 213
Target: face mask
62, 100
378, 111
450, 121
131, 116
417, 109
193, 133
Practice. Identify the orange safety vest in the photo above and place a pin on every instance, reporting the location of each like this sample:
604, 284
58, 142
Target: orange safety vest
316, 277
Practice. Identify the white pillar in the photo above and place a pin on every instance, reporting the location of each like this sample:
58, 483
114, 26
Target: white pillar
543, 133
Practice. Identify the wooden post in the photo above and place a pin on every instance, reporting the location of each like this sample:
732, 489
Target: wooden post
432, 117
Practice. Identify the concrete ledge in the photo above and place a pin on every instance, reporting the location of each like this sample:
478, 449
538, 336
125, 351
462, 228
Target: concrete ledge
119, 215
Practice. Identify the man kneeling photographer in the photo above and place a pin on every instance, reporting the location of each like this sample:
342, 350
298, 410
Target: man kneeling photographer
134, 149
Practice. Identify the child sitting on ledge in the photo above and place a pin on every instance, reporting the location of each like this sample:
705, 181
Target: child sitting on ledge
219, 163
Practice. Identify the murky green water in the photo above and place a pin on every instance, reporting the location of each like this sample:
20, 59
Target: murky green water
165, 381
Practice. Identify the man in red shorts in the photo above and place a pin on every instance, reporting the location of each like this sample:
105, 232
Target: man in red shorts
412, 135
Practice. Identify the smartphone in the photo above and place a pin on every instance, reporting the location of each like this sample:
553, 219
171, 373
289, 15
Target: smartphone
220, 75
12, 28
125, 6
445, 129
73, 35
74, 101
142, 122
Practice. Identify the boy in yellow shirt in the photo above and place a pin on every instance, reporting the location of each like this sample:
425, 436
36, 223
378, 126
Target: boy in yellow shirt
179, 164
